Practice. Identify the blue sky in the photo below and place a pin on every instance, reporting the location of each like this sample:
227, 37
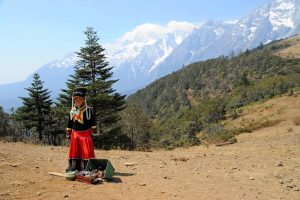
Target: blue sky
35, 32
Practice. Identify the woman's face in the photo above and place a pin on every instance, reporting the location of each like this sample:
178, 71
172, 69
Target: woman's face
78, 101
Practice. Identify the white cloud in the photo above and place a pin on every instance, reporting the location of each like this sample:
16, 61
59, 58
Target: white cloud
181, 26
149, 33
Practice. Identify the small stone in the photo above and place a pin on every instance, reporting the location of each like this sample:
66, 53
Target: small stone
251, 178
4, 194
14, 165
16, 183
142, 184
279, 164
66, 196
296, 189
38, 193
278, 176
129, 164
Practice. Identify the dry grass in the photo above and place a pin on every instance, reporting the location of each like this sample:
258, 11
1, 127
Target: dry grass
292, 51
251, 126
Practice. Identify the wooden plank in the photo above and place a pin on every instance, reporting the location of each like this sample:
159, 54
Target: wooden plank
57, 174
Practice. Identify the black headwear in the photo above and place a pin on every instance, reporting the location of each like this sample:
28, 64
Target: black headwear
80, 91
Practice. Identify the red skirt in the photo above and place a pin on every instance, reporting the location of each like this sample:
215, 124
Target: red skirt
81, 146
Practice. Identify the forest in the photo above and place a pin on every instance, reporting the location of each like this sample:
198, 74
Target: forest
170, 112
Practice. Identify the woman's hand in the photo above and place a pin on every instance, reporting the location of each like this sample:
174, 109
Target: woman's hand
94, 129
68, 133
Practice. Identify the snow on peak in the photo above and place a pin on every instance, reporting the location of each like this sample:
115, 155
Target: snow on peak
131, 43
65, 62
281, 14
231, 21
167, 50
150, 33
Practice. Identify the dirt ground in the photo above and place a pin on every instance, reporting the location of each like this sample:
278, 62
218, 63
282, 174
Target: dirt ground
264, 164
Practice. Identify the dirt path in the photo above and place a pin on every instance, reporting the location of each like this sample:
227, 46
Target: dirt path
264, 164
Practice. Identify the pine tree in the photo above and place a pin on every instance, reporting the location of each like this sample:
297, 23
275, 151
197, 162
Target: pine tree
36, 107
93, 72
4, 123
244, 81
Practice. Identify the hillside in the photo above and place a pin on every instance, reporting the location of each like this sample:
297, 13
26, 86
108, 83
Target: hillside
197, 97
293, 51
219, 76
263, 164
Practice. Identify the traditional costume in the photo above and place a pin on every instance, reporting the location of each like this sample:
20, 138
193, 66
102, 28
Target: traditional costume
81, 124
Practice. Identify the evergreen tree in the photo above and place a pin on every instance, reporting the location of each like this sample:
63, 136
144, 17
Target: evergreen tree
93, 72
4, 123
244, 81
36, 107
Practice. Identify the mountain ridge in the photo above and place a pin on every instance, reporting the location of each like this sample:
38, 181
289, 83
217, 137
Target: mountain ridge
148, 57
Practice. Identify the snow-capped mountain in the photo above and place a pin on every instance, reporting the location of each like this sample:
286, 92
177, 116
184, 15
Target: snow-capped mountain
192, 48
151, 51
139, 52
274, 20
271, 21
134, 73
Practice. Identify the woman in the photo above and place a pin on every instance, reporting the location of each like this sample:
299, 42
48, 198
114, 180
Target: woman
81, 124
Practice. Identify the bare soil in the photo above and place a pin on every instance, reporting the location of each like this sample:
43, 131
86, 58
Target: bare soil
264, 164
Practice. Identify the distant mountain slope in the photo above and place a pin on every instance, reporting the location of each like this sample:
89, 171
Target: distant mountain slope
272, 21
53, 74
151, 51
219, 76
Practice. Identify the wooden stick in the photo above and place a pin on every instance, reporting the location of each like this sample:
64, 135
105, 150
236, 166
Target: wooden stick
57, 174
